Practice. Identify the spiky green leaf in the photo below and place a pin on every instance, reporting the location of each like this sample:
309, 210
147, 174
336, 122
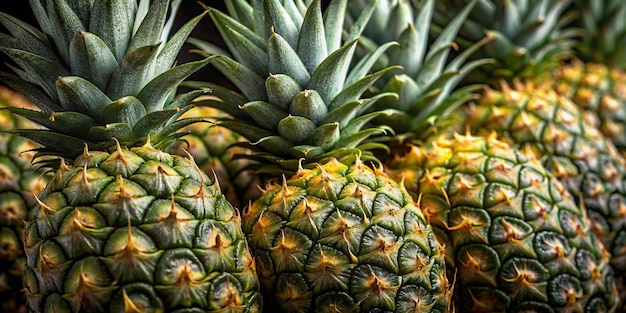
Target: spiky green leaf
171, 50
171, 131
278, 18
330, 75
80, 95
311, 45
277, 144
247, 53
41, 70
29, 38
252, 86
157, 91
226, 24
281, 89
246, 130
295, 128
153, 122
68, 123
436, 58
53, 143
357, 28
309, 104
355, 139
283, 59
184, 99
151, 28
92, 59
325, 136
365, 64
334, 16
355, 90
66, 24
103, 135
112, 21
32, 92
124, 110
225, 94
133, 73
241, 11
265, 114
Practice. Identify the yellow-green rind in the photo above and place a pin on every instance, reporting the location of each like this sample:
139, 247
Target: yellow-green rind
137, 230
600, 90
552, 128
345, 238
516, 241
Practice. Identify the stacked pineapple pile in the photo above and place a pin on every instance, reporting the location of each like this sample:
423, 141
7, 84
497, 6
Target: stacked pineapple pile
19, 182
365, 156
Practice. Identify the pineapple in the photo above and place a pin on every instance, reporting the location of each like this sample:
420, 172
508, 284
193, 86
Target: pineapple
331, 232
596, 78
537, 51
536, 118
517, 240
486, 223
528, 39
122, 226
214, 149
428, 74
19, 183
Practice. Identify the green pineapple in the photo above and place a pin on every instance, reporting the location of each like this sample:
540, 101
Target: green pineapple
19, 183
214, 149
561, 139
491, 241
517, 240
596, 78
329, 233
576, 153
600, 91
122, 225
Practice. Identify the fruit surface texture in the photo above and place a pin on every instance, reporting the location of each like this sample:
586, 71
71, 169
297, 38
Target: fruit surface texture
345, 238
136, 229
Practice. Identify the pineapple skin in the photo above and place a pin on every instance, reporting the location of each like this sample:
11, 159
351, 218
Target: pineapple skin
344, 237
515, 240
19, 183
600, 91
575, 152
137, 230
212, 147
130, 229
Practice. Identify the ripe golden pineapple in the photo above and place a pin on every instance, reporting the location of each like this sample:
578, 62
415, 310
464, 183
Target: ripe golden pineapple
596, 78
330, 233
122, 226
493, 238
535, 118
345, 237
514, 236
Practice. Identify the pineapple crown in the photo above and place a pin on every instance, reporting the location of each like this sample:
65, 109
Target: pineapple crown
528, 38
100, 72
604, 26
300, 98
427, 80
